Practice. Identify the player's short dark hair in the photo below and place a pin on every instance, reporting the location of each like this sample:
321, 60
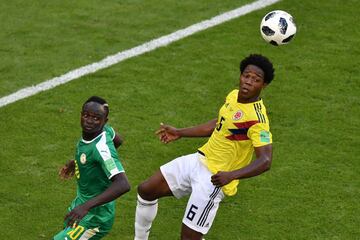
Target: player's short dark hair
99, 100
261, 62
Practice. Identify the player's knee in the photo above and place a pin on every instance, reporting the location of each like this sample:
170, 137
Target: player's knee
153, 188
145, 191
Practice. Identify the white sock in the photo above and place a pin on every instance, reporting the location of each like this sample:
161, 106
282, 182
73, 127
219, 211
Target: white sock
144, 216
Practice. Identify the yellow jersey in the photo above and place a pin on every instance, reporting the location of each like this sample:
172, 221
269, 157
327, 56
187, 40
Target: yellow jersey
240, 128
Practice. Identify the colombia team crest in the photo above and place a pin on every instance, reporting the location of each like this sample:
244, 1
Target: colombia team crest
238, 115
83, 158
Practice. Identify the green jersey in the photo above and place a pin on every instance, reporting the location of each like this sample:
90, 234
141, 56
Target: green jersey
96, 162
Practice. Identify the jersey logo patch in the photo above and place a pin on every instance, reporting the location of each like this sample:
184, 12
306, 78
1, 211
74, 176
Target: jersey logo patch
83, 158
238, 115
110, 164
264, 136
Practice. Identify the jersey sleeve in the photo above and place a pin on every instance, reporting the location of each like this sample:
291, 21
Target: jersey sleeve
260, 135
109, 130
109, 159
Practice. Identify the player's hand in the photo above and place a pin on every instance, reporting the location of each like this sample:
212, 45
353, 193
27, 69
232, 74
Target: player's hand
167, 133
68, 170
74, 216
221, 178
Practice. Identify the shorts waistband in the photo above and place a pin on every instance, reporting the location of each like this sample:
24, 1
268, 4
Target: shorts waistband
201, 153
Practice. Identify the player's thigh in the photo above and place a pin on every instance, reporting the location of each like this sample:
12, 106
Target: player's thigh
178, 172
154, 187
203, 202
189, 234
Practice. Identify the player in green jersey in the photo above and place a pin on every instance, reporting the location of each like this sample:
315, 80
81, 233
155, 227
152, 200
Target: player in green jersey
100, 176
240, 130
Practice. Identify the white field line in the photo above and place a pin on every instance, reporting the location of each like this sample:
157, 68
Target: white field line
143, 48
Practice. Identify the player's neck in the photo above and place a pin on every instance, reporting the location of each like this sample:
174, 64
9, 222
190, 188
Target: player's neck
90, 136
248, 100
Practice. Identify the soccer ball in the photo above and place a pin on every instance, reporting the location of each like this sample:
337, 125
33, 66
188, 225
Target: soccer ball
278, 27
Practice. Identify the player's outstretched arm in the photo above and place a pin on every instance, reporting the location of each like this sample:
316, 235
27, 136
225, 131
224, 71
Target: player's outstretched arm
68, 170
261, 164
118, 187
169, 133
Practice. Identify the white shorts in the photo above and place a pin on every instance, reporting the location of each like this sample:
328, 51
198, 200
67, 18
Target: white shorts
187, 175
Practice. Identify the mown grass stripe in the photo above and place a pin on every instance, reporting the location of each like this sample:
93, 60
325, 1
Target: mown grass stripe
136, 51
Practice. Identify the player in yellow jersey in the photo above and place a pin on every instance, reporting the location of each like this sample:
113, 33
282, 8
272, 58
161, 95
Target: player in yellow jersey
242, 128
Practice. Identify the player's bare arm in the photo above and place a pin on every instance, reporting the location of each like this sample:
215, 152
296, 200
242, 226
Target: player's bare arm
68, 170
261, 164
169, 133
118, 140
118, 187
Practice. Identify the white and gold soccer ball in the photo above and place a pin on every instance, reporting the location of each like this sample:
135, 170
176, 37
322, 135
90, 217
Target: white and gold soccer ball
278, 27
